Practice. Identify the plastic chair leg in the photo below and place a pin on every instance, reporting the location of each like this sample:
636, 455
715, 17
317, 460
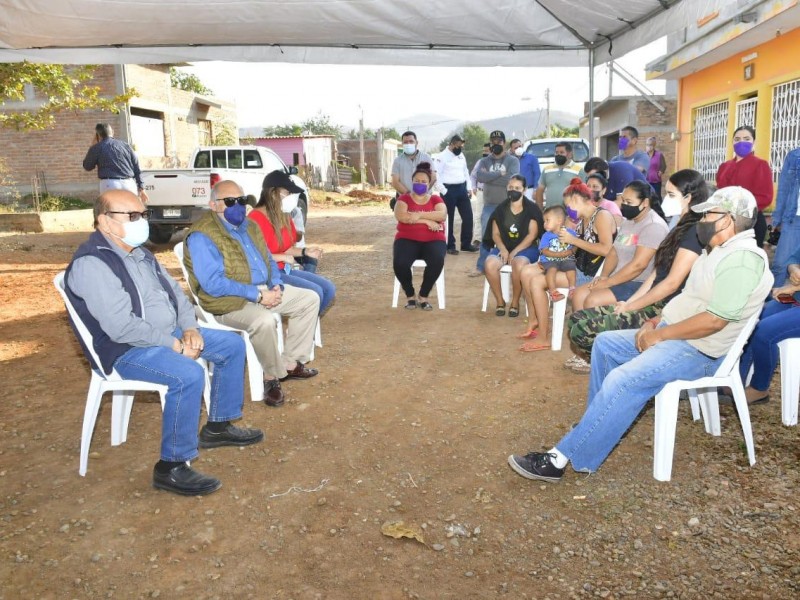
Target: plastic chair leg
93, 398
709, 403
744, 414
255, 373
559, 313
666, 419
790, 380
440, 295
121, 406
486, 290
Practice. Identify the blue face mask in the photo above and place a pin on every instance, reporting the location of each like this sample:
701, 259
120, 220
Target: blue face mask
235, 214
420, 189
571, 213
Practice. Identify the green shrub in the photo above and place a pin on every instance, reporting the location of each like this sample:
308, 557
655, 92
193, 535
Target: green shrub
50, 202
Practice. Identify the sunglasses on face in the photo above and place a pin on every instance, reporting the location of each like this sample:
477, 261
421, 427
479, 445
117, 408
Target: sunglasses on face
133, 215
234, 200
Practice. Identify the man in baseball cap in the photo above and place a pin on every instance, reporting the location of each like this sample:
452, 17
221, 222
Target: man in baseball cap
726, 287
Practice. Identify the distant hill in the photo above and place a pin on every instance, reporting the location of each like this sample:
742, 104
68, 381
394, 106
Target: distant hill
432, 128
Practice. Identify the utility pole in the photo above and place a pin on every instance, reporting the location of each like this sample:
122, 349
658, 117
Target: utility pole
361, 149
379, 149
547, 99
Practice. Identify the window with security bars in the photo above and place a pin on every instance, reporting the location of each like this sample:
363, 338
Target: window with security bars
710, 138
746, 112
785, 124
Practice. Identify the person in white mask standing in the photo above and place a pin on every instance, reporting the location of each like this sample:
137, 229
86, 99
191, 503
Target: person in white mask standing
406, 163
272, 214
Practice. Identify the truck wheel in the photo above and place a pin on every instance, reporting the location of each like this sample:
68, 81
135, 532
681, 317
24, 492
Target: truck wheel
303, 204
160, 234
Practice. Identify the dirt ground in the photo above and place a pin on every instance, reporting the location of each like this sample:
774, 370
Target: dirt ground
411, 419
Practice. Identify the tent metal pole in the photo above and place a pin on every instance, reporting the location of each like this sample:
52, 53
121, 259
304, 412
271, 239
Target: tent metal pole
591, 100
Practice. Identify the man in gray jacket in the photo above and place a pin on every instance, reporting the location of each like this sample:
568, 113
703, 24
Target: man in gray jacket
494, 172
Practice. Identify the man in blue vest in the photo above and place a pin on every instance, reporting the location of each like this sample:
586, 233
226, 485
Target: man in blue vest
143, 327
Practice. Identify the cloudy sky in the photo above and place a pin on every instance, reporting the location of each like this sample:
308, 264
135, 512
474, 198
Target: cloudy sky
278, 93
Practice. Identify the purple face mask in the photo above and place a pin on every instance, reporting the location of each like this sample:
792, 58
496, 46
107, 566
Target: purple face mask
419, 188
742, 149
571, 213
623, 143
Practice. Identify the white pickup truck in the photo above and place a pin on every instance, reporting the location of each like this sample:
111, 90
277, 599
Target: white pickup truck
178, 197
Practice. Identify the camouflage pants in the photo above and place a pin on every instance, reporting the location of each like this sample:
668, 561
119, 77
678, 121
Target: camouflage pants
585, 325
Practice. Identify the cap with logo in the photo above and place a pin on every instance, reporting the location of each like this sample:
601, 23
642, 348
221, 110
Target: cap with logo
734, 199
497, 134
281, 179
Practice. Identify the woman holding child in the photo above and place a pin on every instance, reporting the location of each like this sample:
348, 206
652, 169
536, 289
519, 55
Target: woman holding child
594, 240
512, 234
673, 260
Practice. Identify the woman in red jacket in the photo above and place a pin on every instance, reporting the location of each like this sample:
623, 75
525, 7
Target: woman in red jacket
745, 169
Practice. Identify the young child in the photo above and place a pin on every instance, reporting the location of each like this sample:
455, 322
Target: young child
555, 256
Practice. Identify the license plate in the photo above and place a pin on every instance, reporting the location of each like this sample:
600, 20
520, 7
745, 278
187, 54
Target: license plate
172, 212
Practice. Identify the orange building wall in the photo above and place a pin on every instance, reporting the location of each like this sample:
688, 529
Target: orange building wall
776, 63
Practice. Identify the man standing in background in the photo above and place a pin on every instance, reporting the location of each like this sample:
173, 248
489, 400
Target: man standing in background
528, 167
453, 173
116, 162
494, 172
406, 163
556, 177
628, 151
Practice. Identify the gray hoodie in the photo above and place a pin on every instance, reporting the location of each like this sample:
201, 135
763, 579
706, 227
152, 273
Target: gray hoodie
494, 178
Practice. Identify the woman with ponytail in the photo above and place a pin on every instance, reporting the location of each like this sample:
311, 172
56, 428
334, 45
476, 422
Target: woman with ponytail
594, 240
643, 229
673, 261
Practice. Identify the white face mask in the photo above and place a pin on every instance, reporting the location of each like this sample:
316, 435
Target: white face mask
519, 151
672, 205
289, 203
409, 148
136, 232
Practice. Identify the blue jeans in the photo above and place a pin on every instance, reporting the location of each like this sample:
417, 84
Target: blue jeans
621, 383
486, 213
787, 245
185, 380
323, 287
778, 322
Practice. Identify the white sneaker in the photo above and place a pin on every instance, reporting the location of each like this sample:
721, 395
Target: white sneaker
581, 366
572, 360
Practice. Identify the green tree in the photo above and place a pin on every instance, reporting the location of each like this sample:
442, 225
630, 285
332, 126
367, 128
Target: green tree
187, 82
62, 87
225, 134
318, 125
557, 130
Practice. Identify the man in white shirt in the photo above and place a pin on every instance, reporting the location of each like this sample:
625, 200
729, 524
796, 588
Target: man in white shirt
453, 173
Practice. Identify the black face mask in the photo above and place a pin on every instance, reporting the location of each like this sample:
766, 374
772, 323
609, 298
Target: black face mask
706, 231
497, 149
456, 151
596, 196
561, 160
514, 195
630, 212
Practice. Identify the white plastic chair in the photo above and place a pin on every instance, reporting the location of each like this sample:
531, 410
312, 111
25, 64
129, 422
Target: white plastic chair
702, 392
122, 389
790, 379
421, 264
254, 371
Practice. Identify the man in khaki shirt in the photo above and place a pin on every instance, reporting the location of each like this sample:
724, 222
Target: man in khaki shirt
726, 286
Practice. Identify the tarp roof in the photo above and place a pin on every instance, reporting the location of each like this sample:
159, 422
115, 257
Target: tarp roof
406, 32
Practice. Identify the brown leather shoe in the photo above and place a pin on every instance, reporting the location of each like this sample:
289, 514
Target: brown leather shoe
273, 394
300, 372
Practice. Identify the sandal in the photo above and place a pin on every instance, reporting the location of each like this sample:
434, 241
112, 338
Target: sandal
500, 311
411, 304
425, 305
513, 311
555, 295
529, 334
533, 347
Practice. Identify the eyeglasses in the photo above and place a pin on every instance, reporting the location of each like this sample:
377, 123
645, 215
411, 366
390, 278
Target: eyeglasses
133, 215
242, 200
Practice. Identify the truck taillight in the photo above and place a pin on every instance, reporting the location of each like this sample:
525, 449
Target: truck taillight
215, 179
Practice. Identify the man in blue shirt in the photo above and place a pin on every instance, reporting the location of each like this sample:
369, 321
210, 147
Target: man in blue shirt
116, 162
235, 278
786, 217
628, 151
528, 167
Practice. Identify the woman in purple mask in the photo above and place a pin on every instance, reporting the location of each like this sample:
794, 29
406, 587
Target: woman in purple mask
420, 234
754, 174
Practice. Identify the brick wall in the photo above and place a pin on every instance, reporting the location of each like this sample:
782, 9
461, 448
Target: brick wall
59, 152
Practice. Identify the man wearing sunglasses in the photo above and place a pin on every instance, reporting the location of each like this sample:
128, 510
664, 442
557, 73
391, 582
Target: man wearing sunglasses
143, 327
236, 279
726, 286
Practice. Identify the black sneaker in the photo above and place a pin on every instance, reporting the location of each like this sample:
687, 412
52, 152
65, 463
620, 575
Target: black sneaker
452, 251
474, 247
230, 436
536, 465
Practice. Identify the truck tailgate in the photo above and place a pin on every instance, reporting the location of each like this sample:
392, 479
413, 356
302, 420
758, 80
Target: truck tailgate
176, 188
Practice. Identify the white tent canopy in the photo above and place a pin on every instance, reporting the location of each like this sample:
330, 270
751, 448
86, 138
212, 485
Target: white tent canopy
409, 32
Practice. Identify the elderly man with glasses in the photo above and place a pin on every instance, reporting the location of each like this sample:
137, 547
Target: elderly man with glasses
144, 327
726, 286
235, 278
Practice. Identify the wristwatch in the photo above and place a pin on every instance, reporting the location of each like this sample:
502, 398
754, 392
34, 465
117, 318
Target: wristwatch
258, 299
